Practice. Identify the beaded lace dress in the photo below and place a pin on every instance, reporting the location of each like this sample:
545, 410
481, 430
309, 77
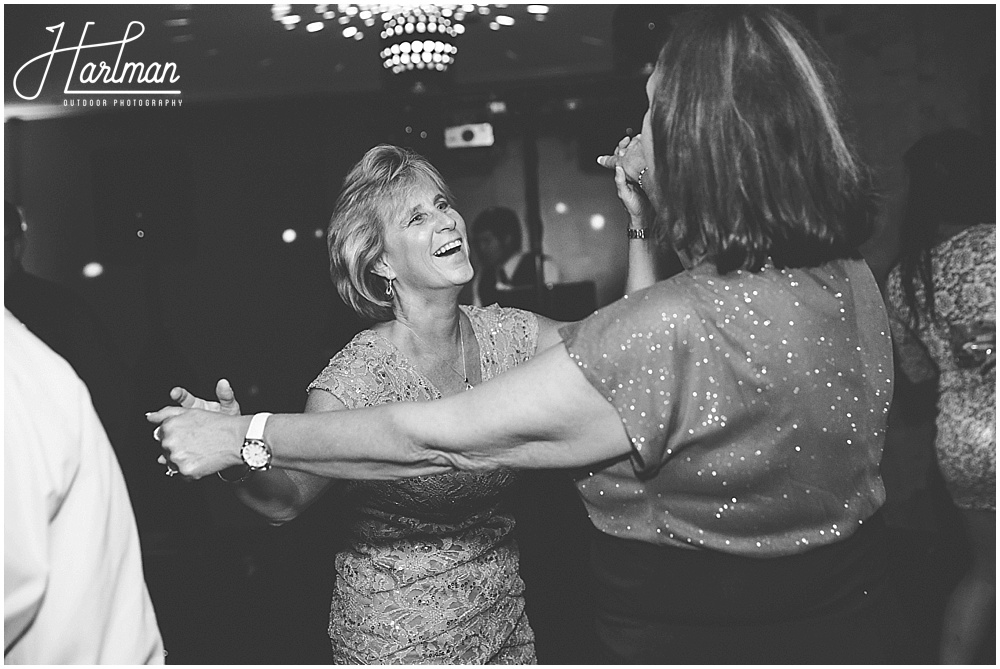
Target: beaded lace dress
430, 575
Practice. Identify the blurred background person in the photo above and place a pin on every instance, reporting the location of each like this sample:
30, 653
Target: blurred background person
942, 299
505, 265
68, 325
74, 591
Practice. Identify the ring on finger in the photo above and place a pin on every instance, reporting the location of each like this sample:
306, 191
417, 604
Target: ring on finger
156, 432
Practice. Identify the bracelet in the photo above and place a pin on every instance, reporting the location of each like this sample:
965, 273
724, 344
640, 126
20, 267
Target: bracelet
637, 233
638, 179
241, 479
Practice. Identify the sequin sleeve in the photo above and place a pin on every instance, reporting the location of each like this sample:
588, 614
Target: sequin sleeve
630, 352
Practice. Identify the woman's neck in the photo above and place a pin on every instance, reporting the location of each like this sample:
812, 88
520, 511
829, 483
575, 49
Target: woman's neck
433, 319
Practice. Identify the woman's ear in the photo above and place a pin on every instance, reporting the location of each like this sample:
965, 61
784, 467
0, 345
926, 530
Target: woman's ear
382, 269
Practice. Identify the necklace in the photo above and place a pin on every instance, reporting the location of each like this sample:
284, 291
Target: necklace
464, 374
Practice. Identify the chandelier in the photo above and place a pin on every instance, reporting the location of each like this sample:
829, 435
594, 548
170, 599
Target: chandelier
414, 37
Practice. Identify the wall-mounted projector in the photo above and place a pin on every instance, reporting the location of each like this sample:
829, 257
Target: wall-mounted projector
468, 135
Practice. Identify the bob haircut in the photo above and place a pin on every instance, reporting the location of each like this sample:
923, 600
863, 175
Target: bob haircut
372, 193
751, 162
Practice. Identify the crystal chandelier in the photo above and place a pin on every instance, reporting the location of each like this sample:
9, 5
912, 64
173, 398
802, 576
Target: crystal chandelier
414, 37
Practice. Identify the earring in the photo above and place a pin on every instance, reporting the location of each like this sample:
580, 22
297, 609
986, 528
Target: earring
388, 288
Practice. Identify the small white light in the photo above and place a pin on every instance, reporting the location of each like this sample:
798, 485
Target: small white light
494, 25
315, 26
561, 208
350, 31
291, 20
504, 20
537, 9
597, 222
359, 35
408, 28
329, 15
319, 233
459, 28
93, 269
498, 107
289, 235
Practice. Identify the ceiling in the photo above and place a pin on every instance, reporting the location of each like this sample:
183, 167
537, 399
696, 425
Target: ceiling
238, 52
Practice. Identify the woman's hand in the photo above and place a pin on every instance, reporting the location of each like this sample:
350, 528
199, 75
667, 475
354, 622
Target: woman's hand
198, 443
227, 403
629, 163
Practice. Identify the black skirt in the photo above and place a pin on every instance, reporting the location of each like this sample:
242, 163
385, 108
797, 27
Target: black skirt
830, 605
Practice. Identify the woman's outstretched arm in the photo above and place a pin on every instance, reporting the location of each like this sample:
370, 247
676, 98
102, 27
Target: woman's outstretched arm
542, 414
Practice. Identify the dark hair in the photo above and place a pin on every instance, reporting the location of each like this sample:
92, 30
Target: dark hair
751, 161
373, 190
502, 222
951, 180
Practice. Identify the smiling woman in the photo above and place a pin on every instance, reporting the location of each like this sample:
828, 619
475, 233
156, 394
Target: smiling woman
431, 574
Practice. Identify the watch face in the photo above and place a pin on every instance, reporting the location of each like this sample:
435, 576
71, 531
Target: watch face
256, 454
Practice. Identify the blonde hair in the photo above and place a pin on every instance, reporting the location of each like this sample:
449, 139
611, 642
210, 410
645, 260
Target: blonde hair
355, 238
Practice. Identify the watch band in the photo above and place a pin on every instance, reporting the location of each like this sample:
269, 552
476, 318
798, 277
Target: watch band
637, 233
256, 429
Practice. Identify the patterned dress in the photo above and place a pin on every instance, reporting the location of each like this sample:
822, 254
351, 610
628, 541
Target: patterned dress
431, 572
964, 269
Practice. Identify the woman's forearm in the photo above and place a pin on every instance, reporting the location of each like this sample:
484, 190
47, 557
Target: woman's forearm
642, 259
272, 494
542, 414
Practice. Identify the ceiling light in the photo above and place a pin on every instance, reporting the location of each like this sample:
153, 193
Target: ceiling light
436, 25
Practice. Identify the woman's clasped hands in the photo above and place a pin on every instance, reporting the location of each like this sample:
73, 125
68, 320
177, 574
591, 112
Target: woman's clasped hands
199, 437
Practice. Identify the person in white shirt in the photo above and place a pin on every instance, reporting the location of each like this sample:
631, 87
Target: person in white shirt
496, 236
73, 583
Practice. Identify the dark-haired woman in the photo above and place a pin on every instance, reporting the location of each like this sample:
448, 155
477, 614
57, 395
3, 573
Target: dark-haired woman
727, 422
942, 305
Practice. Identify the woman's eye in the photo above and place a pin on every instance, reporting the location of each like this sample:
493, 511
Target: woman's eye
417, 218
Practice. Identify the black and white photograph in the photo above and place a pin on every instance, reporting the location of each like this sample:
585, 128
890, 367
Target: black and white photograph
461, 334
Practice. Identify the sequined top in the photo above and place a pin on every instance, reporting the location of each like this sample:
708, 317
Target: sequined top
964, 269
431, 572
756, 405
